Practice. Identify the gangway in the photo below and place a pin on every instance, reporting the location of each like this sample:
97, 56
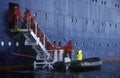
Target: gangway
29, 28
48, 57
34, 40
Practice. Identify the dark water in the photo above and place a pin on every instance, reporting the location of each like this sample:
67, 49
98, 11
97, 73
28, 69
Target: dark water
108, 70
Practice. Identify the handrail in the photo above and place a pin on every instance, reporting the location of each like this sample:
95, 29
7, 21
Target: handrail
44, 35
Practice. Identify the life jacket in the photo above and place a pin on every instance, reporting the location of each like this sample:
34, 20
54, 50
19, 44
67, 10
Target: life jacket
27, 15
69, 47
33, 21
17, 13
79, 55
59, 47
10, 17
53, 47
40, 34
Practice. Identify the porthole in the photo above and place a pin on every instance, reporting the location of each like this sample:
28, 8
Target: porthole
92, 0
9, 43
110, 25
115, 44
115, 25
86, 21
108, 45
35, 14
72, 19
118, 6
2, 43
95, 0
104, 2
105, 24
45, 16
17, 44
76, 44
82, 44
99, 44
102, 24
115, 5
92, 22
76, 20
92, 45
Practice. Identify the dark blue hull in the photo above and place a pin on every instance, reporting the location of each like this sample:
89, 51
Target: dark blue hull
91, 25
14, 54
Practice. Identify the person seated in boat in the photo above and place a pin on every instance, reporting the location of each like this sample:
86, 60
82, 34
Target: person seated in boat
79, 55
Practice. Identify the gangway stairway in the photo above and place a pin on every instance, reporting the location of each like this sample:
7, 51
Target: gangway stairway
34, 40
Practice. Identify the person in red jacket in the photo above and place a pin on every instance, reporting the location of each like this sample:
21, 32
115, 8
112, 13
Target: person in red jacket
17, 17
33, 19
68, 49
27, 18
59, 46
53, 46
10, 19
40, 34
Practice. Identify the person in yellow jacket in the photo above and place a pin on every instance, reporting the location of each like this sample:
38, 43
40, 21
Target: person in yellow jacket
79, 55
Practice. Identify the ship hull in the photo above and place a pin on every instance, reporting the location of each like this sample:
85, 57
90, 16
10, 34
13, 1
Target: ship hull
91, 25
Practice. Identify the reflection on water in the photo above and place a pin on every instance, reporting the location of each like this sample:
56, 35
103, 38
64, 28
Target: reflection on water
109, 70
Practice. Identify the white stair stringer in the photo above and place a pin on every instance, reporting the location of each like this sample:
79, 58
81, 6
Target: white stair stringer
28, 40
36, 41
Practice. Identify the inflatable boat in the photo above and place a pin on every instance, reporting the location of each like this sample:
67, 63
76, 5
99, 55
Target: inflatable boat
93, 63
86, 64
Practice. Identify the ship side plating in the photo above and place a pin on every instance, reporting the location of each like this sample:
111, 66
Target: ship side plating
92, 25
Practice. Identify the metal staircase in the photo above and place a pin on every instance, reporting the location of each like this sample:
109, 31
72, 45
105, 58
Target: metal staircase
32, 39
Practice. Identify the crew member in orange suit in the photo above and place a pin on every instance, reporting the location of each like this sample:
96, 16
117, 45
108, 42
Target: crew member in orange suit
17, 17
59, 46
27, 18
68, 49
40, 34
11, 19
53, 46
33, 19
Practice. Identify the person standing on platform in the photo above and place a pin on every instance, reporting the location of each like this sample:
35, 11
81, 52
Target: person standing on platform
53, 49
27, 18
40, 34
54, 46
68, 49
59, 46
60, 52
33, 20
17, 17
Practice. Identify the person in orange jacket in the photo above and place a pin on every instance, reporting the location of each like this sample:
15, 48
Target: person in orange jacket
40, 34
68, 49
53, 46
33, 19
27, 18
11, 19
17, 17
59, 46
